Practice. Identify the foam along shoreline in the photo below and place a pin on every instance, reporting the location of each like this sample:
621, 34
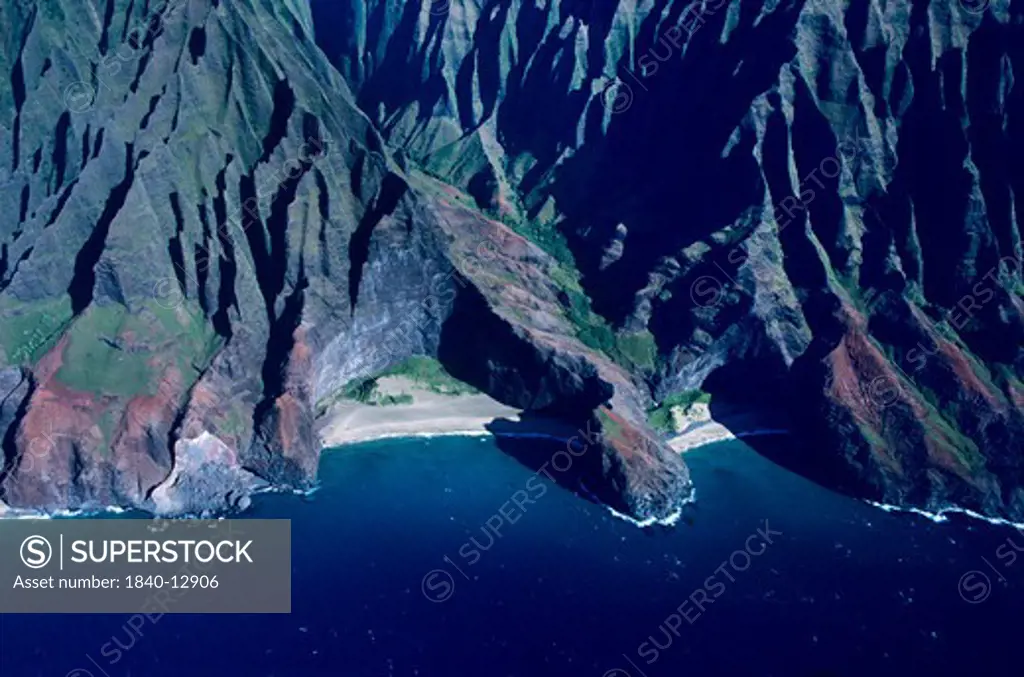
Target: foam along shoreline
940, 516
698, 435
7, 512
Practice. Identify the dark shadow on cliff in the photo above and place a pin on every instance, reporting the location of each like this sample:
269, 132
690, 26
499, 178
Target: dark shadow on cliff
746, 400
810, 448
752, 393
558, 396
571, 463
813, 460
678, 185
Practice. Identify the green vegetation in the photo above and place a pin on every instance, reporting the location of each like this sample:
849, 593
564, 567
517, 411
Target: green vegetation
550, 239
28, 331
962, 448
639, 348
234, 423
937, 427
195, 338
108, 424
1006, 374
660, 417
428, 373
872, 437
115, 352
609, 426
95, 360
631, 350
591, 328
360, 390
428, 182
365, 391
849, 286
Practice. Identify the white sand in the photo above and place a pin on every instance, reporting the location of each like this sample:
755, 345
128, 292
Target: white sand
700, 435
430, 413
699, 429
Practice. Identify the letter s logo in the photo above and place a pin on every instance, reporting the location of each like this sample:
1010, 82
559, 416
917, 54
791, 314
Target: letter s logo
438, 586
36, 552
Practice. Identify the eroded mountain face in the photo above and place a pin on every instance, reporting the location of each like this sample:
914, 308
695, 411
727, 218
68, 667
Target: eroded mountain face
227, 211
210, 236
811, 206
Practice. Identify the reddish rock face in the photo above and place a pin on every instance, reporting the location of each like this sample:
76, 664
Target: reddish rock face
198, 256
732, 226
512, 280
90, 450
903, 444
295, 433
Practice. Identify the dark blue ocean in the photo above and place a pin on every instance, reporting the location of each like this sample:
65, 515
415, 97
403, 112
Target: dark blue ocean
768, 574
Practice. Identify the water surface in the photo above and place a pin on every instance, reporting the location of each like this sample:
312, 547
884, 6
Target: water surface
846, 589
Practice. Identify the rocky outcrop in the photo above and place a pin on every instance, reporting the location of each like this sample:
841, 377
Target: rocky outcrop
814, 198
206, 478
211, 237
227, 211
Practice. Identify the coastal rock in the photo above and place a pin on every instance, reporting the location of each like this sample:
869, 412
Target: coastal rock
821, 199
207, 478
212, 237
615, 249
228, 211
510, 335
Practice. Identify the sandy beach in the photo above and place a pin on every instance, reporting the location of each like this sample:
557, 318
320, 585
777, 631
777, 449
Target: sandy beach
699, 429
699, 436
434, 414
430, 413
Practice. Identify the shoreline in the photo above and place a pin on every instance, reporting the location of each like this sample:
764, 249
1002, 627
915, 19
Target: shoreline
685, 442
697, 437
703, 434
431, 415
427, 413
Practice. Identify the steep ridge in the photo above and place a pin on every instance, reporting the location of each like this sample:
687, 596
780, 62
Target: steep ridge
228, 211
810, 197
212, 237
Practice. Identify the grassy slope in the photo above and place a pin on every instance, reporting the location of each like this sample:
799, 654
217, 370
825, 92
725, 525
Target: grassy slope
426, 372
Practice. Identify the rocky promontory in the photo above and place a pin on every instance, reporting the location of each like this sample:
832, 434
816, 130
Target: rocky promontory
223, 214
